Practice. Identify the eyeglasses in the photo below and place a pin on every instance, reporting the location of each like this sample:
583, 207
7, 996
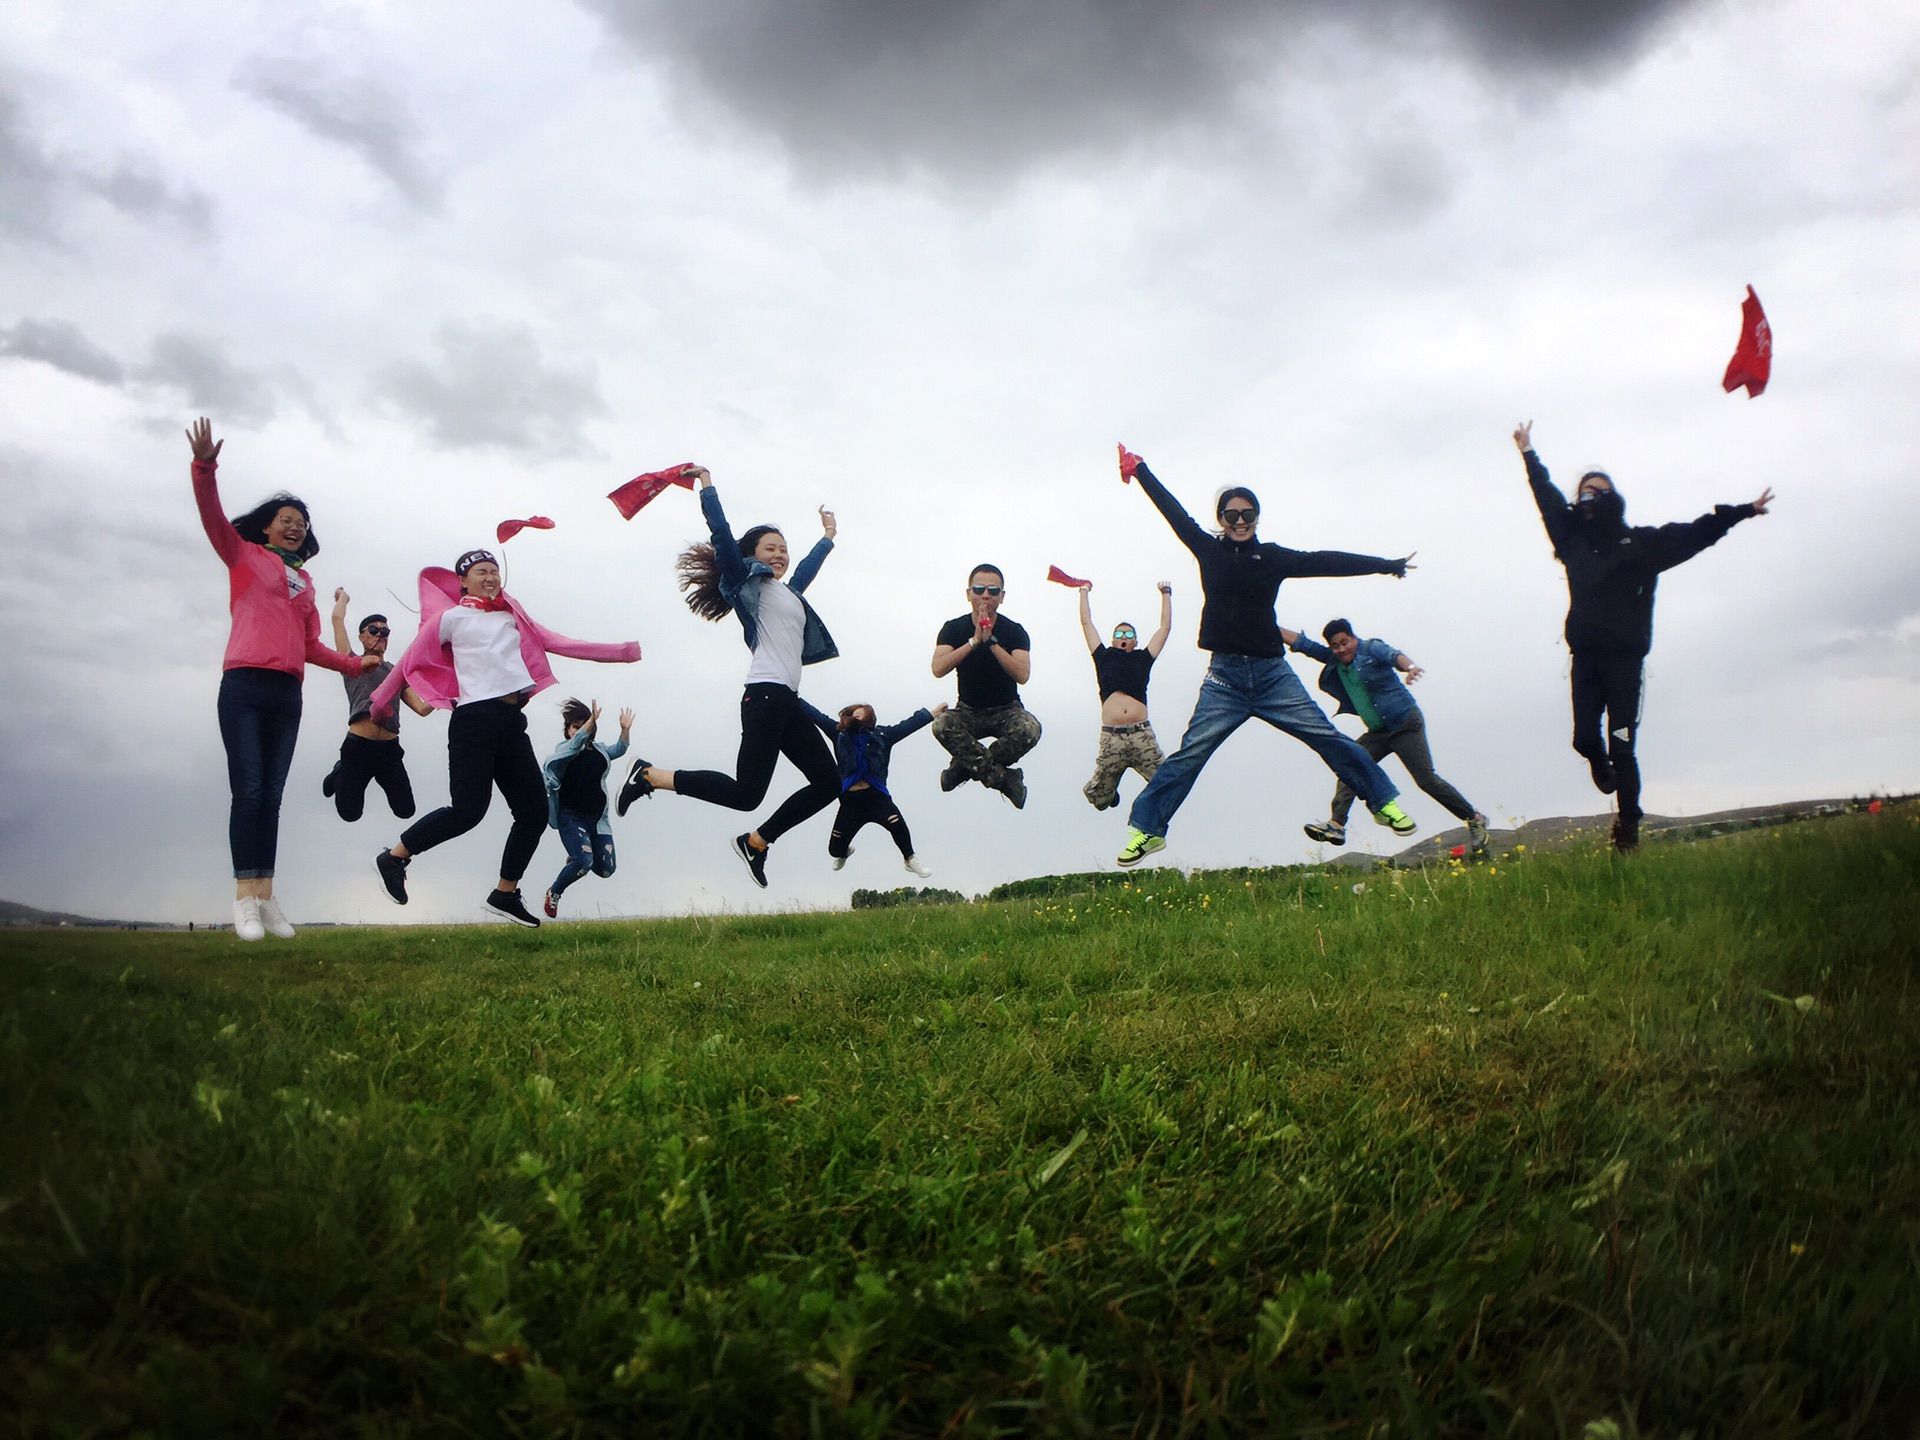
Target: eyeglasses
1125, 635
1239, 517
984, 589
378, 631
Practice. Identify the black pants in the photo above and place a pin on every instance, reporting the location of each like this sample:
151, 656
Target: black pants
1609, 685
772, 724
259, 721
363, 760
860, 808
1409, 742
487, 745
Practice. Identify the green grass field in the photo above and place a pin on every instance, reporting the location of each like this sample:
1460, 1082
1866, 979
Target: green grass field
1555, 1146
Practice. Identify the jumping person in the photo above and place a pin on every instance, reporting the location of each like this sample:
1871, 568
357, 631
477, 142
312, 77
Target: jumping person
1249, 676
743, 578
1363, 677
1612, 570
371, 751
863, 749
481, 655
576, 775
994, 656
1122, 669
275, 635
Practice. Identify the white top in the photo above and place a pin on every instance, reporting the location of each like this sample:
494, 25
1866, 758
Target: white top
486, 653
780, 636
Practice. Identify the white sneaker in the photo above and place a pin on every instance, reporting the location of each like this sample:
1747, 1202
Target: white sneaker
246, 919
913, 864
275, 919
840, 861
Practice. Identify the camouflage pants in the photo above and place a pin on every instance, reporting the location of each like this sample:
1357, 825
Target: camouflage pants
1122, 748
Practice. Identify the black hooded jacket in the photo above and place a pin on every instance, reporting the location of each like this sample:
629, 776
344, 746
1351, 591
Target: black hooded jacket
1613, 567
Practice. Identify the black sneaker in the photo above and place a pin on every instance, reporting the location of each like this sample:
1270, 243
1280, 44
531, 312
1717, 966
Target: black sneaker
952, 778
507, 903
330, 781
1626, 833
1602, 770
1013, 785
1329, 832
393, 875
635, 786
754, 860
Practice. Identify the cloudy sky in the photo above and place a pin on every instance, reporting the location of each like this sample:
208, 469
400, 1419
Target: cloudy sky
433, 266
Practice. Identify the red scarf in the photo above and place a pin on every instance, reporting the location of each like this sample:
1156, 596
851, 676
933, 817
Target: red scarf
479, 602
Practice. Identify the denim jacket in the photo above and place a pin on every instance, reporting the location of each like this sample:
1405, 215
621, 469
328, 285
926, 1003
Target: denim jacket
1373, 663
740, 582
557, 762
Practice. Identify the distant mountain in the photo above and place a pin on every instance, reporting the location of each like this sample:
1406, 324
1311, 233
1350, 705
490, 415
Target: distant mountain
26, 917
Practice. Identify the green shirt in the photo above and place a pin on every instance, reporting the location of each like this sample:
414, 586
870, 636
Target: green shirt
1362, 701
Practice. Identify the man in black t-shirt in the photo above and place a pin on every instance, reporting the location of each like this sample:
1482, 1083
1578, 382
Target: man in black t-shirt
1122, 669
993, 657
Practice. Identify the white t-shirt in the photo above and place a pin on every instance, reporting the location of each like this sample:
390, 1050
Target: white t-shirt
780, 636
486, 653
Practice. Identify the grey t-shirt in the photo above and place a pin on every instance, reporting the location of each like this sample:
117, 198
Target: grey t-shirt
779, 637
360, 690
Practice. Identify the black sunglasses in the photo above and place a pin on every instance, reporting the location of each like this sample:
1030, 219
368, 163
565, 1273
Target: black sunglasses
1235, 517
375, 630
984, 589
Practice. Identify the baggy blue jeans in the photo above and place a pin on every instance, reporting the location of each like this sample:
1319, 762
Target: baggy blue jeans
1239, 688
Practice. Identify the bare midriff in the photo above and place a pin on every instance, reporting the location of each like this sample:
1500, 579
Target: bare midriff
1121, 709
367, 730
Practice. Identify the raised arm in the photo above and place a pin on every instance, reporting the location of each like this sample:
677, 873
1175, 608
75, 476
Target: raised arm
1546, 495
227, 543
1086, 618
1677, 543
341, 641
726, 550
1159, 640
1184, 525
810, 564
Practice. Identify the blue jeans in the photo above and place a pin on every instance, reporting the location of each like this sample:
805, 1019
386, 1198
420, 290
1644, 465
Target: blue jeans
587, 850
1237, 689
259, 721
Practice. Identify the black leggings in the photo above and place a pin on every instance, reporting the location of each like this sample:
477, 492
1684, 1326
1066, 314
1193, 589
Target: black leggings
867, 807
363, 760
1610, 684
487, 745
772, 724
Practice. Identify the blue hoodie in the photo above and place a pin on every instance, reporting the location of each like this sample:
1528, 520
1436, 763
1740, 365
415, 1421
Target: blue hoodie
863, 754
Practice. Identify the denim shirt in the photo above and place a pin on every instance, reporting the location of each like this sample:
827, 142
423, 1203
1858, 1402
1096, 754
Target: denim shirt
1373, 666
557, 763
740, 580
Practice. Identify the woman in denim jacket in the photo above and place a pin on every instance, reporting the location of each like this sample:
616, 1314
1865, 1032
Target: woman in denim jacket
745, 578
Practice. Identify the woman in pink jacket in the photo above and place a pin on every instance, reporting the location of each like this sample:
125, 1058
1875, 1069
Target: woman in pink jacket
276, 632
483, 657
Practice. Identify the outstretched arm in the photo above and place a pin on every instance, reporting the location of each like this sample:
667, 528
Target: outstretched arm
1086, 618
1311, 563
1159, 640
1308, 646
1677, 543
1184, 525
894, 734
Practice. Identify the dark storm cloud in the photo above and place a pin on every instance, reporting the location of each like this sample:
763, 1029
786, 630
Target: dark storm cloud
994, 85
491, 388
359, 113
36, 184
61, 344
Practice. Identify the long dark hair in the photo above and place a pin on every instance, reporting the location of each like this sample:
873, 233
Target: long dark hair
850, 721
699, 573
253, 525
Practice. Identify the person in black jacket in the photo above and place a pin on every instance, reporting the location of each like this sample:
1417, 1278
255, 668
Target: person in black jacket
1249, 676
863, 749
1612, 570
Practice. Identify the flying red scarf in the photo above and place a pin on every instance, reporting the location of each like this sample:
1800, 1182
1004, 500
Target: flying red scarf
1061, 577
637, 492
1752, 362
507, 529
481, 602
1129, 462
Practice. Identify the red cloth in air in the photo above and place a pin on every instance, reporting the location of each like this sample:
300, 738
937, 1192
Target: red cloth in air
1752, 362
507, 529
1061, 577
637, 492
1129, 462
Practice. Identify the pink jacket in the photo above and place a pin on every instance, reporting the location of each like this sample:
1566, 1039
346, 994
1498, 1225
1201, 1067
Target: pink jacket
272, 629
428, 663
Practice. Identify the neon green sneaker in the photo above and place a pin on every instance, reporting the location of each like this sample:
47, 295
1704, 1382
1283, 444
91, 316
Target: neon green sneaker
1139, 845
1395, 819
